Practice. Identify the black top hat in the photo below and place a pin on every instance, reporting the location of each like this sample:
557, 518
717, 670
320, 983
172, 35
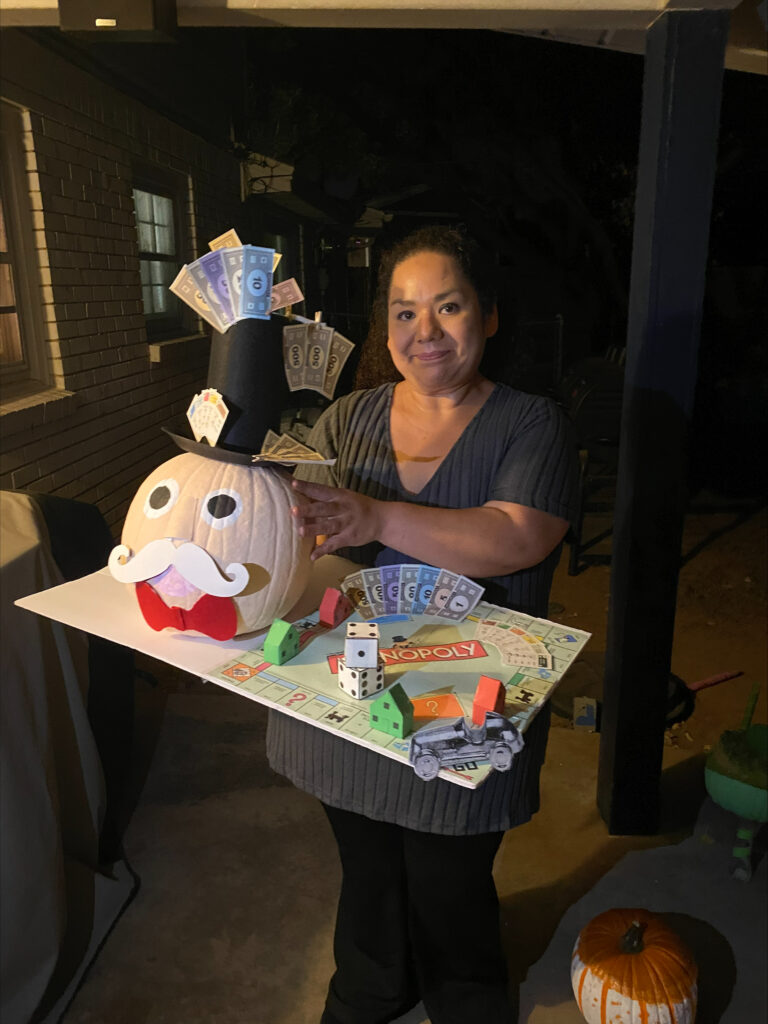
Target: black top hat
246, 367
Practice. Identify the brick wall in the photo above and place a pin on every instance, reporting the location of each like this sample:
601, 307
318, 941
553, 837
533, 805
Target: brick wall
96, 433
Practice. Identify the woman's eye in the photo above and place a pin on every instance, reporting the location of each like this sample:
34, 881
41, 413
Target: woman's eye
449, 307
161, 498
221, 508
405, 314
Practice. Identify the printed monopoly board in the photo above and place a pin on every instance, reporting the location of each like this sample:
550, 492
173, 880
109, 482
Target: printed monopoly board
438, 663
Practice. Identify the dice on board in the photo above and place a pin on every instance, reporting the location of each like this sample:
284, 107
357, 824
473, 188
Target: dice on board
359, 682
361, 647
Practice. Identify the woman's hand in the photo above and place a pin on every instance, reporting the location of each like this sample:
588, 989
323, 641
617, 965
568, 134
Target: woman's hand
340, 518
495, 539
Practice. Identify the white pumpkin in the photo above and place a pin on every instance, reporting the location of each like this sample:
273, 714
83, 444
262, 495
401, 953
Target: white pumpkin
241, 516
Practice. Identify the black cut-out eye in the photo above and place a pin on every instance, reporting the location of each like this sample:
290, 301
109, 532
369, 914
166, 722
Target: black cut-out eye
161, 498
221, 508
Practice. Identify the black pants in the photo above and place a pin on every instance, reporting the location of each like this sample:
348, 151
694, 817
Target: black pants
418, 918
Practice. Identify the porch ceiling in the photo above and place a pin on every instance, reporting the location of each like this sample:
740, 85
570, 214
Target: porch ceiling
613, 24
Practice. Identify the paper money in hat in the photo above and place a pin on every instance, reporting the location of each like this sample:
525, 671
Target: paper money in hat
246, 393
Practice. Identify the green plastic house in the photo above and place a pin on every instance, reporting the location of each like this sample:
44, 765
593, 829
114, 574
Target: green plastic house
281, 643
392, 712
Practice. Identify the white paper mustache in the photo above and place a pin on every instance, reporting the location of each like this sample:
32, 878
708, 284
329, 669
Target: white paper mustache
192, 562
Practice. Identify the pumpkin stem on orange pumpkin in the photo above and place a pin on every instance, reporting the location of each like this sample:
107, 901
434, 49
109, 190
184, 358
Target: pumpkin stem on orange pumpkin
632, 939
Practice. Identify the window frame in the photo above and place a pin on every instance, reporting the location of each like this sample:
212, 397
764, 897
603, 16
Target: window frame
32, 369
180, 320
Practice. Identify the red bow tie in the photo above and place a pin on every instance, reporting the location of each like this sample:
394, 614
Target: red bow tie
214, 616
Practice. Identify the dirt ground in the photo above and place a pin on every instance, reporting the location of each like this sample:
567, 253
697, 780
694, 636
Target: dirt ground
720, 623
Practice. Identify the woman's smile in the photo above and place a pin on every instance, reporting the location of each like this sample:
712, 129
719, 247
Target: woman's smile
431, 355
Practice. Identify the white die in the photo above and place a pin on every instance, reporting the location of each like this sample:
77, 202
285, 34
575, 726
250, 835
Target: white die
359, 682
361, 647
363, 629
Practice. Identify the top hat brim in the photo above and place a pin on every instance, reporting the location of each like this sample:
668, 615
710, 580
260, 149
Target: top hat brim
208, 451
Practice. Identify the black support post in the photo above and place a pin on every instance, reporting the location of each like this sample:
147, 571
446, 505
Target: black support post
678, 148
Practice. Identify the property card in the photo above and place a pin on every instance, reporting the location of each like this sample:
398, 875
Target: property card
206, 414
256, 284
520, 648
515, 646
213, 265
186, 287
488, 631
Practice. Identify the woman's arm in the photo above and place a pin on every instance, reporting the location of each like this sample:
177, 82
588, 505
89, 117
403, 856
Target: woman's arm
495, 539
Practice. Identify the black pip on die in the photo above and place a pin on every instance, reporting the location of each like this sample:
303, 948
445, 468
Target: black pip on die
361, 670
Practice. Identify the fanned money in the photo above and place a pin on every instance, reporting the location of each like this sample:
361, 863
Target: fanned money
256, 282
213, 267
208, 292
354, 588
390, 578
233, 268
286, 293
337, 357
228, 240
185, 286
425, 585
409, 579
231, 240
412, 589
288, 451
314, 355
318, 350
443, 589
374, 591
233, 282
294, 354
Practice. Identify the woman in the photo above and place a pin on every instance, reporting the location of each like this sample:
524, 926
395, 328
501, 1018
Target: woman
446, 468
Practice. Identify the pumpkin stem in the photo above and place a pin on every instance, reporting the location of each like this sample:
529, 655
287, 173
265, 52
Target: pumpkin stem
632, 940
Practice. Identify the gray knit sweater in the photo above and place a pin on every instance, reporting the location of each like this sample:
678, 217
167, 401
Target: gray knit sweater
517, 448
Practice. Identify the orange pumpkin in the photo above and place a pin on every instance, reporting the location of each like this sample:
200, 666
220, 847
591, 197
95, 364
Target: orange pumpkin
629, 967
241, 517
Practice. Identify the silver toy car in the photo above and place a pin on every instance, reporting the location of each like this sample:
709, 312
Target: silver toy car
460, 742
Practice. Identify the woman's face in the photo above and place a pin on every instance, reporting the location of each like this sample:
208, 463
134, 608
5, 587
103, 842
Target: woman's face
436, 329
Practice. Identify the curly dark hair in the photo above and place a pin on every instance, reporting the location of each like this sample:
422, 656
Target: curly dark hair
476, 265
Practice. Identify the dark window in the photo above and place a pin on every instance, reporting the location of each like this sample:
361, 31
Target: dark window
11, 348
159, 229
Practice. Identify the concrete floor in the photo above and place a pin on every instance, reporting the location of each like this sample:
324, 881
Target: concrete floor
239, 875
